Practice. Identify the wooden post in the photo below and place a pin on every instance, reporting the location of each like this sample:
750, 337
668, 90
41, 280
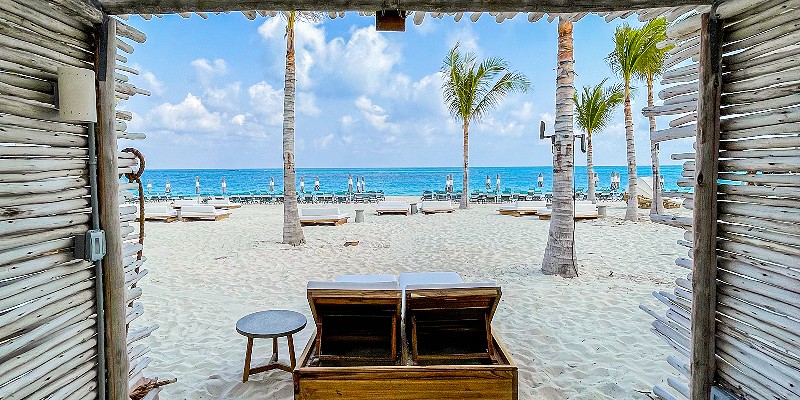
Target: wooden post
704, 276
108, 192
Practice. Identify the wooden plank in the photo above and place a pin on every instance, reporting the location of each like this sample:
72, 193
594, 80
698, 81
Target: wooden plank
561, 6
704, 253
108, 191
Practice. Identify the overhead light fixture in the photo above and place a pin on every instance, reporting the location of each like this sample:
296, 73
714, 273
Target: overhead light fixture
390, 20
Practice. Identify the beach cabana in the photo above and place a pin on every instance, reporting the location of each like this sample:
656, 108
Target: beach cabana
731, 86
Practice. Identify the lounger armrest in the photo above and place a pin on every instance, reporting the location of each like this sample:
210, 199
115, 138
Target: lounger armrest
329, 285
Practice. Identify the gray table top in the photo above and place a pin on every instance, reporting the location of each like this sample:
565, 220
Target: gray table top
271, 324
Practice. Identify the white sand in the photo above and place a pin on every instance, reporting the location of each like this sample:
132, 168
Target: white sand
581, 338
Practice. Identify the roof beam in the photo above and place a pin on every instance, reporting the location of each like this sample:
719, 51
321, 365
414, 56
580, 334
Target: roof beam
549, 6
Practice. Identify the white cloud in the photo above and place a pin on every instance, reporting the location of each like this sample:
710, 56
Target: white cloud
346, 120
374, 114
324, 141
190, 115
466, 38
153, 84
525, 113
238, 119
306, 104
222, 97
267, 101
206, 70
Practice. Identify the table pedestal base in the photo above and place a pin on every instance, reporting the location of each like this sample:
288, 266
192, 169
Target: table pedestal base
273, 362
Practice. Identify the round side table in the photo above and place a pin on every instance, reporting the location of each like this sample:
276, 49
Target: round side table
270, 324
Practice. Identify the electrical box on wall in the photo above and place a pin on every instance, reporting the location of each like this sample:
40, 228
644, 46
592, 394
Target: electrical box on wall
91, 246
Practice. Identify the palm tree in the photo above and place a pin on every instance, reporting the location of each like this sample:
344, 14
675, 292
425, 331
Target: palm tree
632, 51
292, 232
472, 90
653, 67
595, 106
559, 256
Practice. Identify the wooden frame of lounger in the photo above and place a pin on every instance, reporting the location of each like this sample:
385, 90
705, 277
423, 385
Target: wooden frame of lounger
448, 301
437, 211
334, 221
364, 297
160, 218
397, 212
217, 217
517, 213
577, 217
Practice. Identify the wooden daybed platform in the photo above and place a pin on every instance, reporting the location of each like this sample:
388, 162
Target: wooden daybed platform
354, 353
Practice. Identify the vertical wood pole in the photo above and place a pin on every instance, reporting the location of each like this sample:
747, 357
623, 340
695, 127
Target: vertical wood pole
108, 192
704, 274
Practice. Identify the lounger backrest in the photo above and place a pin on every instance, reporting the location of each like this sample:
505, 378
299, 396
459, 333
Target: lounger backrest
447, 320
319, 212
218, 201
185, 202
392, 205
587, 209
198, 209
367, 278
364, 315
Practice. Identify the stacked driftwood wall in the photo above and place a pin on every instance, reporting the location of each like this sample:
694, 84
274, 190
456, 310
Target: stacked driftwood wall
48, 344
755, 283
48, 315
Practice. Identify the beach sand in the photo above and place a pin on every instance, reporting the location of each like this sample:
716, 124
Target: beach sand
582, 338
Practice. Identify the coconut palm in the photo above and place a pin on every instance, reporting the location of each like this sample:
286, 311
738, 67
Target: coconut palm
559, 255
632, 51
471, 90
292, 232
595, 106
653, 67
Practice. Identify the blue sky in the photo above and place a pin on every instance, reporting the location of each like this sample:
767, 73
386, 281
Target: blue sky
364, 98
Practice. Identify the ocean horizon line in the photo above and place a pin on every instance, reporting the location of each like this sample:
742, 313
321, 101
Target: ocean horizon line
383, 168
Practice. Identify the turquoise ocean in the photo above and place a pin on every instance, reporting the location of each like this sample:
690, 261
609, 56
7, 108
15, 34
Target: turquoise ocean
393, 181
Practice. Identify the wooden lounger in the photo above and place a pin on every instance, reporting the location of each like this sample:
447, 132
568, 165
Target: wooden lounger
356, 322
160, 218
446, 322
334, 221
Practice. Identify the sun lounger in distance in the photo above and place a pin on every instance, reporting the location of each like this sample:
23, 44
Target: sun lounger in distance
583, 210
158, 212
203, 211
393, 207
322, 215
223, 203
522, 207
437, 206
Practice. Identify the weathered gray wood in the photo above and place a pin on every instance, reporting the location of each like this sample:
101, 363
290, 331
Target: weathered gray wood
704, 288
130, 32
763, 48
767, 164
14, 106
10, 244
38, 151
33, 165
551, 6
674, 133
29, 224
763, 191
32, 42
13, 91
48, 28
8, 120
108, 191
762, 153
36, 210
746, 64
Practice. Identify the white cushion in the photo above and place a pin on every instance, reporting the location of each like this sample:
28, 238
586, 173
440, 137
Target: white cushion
530, 204
320, 211
425, 278
392, 206
201, 210
189, 202
219, 202
434, 205
152, 210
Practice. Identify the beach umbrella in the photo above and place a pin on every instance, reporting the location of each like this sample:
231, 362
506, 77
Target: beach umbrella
149, 186
447, 183
661, 182
167, 188
363, 184
497, 187
540, 180
595, 179
271, 184
302, 186
224, 187
316, 184
488, 183
350, 183
197, 187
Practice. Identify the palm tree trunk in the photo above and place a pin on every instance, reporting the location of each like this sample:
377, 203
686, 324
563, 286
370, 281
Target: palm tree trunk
631, 213
292, 232
658, 205
559, 256
464, 204
590, 166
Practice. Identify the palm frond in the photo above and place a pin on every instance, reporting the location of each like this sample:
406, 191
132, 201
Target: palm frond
595, 106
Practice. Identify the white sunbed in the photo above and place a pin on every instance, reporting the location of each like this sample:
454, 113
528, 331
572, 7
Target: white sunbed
393, 207
366, 278
322, 215
522, 207
182, 203
583, 210
203, 211
166, 213
437, 206
223, 203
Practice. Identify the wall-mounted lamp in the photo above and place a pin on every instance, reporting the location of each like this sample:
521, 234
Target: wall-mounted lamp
77, 101
390, 20
552, 137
